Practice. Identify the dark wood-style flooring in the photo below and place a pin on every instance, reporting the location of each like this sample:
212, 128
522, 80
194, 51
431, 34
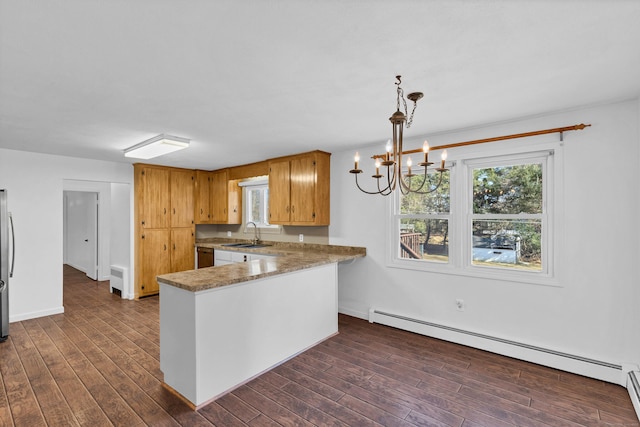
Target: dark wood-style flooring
97, 365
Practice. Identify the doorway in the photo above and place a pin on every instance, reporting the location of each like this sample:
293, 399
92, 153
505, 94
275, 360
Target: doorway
81, 222
110, 224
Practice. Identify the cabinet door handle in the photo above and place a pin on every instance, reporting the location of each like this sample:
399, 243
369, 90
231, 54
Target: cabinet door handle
165, 247
174, 211
174, 246
201, 211
287, 209
165, 211
293, 209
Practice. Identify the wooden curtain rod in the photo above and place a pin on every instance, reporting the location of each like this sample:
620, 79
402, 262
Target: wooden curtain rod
496, 138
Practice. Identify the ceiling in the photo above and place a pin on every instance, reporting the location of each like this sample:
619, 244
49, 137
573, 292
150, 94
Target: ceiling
247, 80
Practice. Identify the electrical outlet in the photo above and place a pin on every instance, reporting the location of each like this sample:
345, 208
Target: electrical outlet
228, 234
460, 304
300, 237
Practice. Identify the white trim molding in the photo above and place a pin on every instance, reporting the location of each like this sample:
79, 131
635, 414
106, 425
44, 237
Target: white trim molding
608, 371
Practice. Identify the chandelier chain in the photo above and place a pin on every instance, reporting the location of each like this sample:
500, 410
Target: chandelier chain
404, 103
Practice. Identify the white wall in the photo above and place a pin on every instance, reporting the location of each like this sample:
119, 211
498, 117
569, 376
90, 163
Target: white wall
594, 312
35, 187
120, 239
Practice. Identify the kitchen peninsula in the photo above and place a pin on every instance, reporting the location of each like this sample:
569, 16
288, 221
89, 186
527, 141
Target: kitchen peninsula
221, 326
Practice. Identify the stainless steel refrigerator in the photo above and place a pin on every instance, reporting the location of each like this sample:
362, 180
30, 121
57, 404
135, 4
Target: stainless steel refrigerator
7, 247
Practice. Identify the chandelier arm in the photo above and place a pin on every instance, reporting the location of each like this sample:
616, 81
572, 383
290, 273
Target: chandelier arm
434, 188
408, 188
388, 189
368, 192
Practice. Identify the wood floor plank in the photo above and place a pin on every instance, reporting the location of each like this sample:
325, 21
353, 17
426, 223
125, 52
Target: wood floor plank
237, 407
85, 409
98, 364
129, 391
269, 408
219, 416
381, 401
5, 410
328, 406
25, 410
303, 409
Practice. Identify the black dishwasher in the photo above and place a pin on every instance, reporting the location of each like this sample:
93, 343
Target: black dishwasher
205, 257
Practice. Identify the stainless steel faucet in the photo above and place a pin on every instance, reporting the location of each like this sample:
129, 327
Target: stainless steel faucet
256, 239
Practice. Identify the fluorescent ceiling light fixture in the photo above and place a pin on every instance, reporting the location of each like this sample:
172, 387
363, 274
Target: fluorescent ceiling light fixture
156, 146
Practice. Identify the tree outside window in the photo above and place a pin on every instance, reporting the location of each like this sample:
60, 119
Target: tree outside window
424, 222
507, 216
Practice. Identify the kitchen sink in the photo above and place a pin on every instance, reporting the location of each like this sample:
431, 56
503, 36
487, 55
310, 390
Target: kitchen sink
246, 245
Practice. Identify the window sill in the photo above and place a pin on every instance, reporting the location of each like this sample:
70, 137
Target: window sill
532, 278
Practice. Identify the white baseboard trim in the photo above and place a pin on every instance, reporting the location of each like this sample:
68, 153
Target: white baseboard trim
354, 313
77, 267
36, 314
577, 364
633, 386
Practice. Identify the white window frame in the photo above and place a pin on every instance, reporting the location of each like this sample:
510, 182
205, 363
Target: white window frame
263, 227
461, 215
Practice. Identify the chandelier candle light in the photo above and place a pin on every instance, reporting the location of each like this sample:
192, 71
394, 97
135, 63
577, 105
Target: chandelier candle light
392, 159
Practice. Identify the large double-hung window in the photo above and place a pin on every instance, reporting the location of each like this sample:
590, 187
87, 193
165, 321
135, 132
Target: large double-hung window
490, 217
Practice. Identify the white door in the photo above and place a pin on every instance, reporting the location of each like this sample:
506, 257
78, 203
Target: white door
81, 231
92, 236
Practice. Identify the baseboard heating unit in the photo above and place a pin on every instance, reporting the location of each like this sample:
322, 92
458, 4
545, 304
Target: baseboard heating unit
633, 385
606, 371
119, 279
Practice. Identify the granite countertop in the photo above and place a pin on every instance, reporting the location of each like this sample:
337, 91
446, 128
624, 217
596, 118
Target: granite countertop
289, 257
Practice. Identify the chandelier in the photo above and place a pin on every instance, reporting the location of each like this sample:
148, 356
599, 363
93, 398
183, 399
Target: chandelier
393, 162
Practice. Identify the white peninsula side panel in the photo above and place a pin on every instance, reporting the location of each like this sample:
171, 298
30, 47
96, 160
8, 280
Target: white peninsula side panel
215, 340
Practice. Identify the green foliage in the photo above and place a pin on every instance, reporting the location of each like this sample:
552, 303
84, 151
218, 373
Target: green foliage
511, 190
431, 203
508, 189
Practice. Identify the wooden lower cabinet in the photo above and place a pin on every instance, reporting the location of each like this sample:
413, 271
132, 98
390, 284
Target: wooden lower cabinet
164, 251
155, 259
182, 249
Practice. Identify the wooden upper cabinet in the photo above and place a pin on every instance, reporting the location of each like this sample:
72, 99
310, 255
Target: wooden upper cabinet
155, 193
234, 201
279, 191
299, 189
182, 188
202, 204
219, 197
226, 199
303, 187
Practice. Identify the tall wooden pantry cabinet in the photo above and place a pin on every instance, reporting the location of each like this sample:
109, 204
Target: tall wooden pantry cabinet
164, 224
